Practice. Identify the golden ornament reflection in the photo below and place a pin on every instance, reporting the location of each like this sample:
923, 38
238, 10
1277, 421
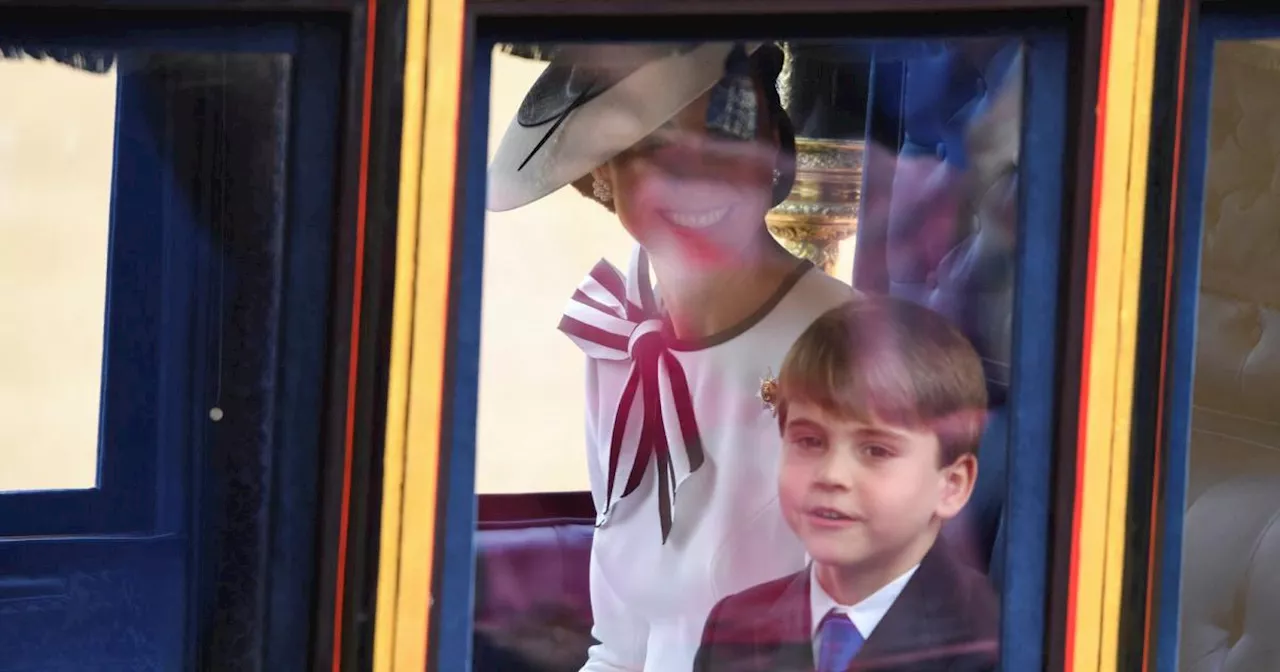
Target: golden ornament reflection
822, 209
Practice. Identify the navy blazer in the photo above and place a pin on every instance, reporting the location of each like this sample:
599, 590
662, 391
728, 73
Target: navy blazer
947, 619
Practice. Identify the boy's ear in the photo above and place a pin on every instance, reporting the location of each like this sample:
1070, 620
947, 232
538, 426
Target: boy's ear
958, 479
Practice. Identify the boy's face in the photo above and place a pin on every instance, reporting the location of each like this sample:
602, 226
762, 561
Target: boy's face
866, 495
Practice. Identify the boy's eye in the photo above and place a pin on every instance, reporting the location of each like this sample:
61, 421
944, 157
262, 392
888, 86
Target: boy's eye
806, 442
877, 451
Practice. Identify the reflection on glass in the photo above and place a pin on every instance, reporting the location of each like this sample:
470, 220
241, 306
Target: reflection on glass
56, 147
1231, 540
745, 407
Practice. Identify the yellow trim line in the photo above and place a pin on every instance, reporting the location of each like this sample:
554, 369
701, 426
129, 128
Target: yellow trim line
433, 70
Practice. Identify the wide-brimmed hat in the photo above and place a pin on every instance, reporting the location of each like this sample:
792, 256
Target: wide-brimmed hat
594, 102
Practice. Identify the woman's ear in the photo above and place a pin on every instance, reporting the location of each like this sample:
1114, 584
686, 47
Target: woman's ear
585, 185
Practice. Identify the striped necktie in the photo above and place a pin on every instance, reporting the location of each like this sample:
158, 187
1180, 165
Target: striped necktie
838, 642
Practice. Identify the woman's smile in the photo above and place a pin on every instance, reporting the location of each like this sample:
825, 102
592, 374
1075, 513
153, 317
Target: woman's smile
696, 219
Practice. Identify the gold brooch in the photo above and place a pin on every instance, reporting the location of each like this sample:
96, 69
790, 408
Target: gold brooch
769, 392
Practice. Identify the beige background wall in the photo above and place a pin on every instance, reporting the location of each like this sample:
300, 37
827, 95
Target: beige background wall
56, 142
530, 419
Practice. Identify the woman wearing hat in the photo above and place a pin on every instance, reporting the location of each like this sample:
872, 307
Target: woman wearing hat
690, 147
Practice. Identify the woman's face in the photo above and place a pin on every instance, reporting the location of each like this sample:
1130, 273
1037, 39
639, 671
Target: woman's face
693, 193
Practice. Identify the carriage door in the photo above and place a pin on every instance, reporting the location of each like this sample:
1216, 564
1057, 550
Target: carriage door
166, 224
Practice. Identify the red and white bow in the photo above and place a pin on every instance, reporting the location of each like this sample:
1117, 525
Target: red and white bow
615, 318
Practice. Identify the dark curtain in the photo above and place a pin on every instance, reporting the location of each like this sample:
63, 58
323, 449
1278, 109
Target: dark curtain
89, 61
227, 117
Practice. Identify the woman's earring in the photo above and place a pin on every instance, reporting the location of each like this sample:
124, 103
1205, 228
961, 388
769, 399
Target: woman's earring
603, 192
777, 175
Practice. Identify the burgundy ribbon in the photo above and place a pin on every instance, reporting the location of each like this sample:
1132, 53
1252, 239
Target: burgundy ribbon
618, 319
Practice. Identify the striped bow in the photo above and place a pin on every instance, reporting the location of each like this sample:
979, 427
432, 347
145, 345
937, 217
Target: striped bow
617, 319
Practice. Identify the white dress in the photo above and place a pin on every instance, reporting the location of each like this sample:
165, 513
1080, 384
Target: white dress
650, 597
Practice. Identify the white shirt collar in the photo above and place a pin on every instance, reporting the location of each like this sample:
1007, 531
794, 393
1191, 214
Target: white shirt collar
867, 614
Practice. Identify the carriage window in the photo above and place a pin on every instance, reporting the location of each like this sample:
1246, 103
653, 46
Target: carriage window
745, 304
145, 201
56, 150
1227, 424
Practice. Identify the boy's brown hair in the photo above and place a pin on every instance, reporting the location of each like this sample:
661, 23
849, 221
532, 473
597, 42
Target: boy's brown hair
894, 361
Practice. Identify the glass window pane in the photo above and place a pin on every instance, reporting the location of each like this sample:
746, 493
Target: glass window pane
57, 139
743, 306
1231, 539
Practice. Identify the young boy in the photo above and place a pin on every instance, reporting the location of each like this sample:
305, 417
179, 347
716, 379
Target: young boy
881, 404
